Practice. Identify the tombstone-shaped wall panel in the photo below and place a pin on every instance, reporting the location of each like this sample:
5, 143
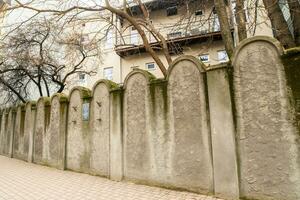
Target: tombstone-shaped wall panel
78, 150
41, 139
1, 120
57, 131
267, 136
136, 123
4, 116
191, 162
29, 123
100, 128
19, 146
9, 133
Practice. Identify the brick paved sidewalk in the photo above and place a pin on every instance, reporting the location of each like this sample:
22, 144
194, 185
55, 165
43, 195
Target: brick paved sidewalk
24, 181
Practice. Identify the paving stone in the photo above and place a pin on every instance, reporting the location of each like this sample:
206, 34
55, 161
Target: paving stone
25, 181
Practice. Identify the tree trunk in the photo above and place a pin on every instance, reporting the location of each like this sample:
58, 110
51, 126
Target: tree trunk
279, 25
163, 41
225, 26
241, 20
294, 6
141, 32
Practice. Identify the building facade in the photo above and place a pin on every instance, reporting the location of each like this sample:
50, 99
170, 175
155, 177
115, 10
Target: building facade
190, 30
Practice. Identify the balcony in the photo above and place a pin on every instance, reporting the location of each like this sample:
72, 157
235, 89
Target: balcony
177, 35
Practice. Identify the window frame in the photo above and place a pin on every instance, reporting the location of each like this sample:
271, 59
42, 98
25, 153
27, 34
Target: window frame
208, 58
105, 75
149, 63
225, 58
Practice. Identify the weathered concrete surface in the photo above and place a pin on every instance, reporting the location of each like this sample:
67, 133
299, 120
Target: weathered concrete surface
137, 166
160, 141
191, 164
30, 111
78, 148
291, 61
226, 180
6, 132
3, 116
19, 131
41, 138
24, 126
116, 135
100, 129
267, 135
57, 131
9, 133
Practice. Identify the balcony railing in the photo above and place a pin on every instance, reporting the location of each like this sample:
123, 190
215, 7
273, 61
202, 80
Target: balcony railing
172, 32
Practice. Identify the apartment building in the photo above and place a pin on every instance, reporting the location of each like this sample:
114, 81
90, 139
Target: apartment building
190, 30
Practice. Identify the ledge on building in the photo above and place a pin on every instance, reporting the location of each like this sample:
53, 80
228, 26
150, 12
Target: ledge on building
175, 45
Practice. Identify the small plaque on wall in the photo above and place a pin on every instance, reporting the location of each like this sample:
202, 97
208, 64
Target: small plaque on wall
85, 111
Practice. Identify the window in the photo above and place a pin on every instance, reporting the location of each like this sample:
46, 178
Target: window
204, 58
108, 73
172, 11
150, 66
109, 40
216, 23
222, 56
82, 79
199, 13
134, 36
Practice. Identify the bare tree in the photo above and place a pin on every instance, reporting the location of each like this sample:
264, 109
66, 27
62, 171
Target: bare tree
34, 59
225, 25
241, 19
142, 24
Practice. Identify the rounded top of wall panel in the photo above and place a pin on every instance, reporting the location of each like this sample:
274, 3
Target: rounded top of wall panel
63, 98
11, 109
4, 111
109, 84
85, 93
21, 106
30, 103
251, 40
201, 67
149, 77
45, 100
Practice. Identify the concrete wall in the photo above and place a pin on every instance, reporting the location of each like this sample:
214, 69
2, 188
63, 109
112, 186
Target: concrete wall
268, 139
220, 130
57, 131
24, 127
41, 139
78, 148
7, 131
